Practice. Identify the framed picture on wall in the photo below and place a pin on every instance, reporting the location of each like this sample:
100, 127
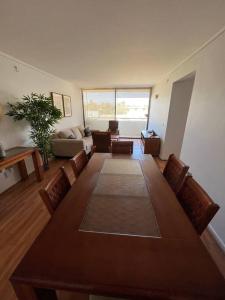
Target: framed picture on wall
67, 106
57, 100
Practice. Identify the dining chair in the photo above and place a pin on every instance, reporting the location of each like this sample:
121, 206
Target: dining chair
55, 190
102, 141
197, 204
78, 162
174, 172
113, 127
122, 147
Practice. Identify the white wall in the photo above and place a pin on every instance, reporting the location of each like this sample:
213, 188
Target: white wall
177, 118
13, 85
204, 139
159, 110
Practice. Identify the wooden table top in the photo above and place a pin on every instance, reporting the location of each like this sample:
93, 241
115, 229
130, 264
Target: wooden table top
174, 266
15, 154
16, 151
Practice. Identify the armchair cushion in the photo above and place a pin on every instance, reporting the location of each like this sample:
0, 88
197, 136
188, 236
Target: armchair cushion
113, 127
115, 132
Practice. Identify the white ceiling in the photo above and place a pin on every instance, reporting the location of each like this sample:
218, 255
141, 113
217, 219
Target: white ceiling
98, 43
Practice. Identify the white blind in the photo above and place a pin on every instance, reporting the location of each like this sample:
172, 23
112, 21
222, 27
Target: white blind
132, 103
108, 104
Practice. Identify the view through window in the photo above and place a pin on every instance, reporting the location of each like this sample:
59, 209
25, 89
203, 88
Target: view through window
132, 104
129, 106
99, 104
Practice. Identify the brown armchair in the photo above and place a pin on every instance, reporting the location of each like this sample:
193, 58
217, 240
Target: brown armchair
113, 127
101, 141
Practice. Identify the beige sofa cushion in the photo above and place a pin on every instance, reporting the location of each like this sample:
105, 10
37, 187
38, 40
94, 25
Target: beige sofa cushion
76, 132
54, 135
68, 147
66, 134
81, 128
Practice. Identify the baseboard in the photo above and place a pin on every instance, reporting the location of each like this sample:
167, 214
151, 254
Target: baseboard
217, 238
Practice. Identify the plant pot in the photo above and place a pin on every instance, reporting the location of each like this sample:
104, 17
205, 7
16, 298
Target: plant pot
45, 161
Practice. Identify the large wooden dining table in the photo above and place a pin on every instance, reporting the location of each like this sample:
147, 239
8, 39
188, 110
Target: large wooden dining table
92, 247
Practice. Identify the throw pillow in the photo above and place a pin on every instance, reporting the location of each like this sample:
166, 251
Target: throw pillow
87, 131
81, 128
66, 134
77, 133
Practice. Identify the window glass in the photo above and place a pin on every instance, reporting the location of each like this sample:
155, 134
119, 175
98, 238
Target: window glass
99, 104
132, 103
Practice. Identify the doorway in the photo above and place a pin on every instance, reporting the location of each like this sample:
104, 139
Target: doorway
178, 113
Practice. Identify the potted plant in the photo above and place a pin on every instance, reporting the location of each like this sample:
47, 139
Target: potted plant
39, 111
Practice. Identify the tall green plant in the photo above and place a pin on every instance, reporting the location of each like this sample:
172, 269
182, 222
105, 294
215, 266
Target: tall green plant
39, 111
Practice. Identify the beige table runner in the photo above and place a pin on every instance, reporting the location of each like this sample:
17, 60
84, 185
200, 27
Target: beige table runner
121, 185
120, 203
121, 166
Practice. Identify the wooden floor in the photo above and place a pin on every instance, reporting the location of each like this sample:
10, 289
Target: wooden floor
23, 216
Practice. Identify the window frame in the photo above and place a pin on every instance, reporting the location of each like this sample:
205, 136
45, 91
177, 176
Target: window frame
115, 102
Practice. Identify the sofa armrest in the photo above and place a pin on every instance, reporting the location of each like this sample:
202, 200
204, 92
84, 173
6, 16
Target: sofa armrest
66, 147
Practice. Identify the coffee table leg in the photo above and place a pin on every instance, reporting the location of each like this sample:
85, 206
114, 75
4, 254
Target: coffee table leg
37, 165
22, 169
27, 292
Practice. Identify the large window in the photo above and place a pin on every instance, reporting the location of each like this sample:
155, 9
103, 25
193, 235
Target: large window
99, 104
129, 106
132, 104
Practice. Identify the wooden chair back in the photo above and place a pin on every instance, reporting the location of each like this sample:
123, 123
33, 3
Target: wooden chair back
113, 126
197, 204
174, 172
101, 141
56, 190
122, 147
78, 162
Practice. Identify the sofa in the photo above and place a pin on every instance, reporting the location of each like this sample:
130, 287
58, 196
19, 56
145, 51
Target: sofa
68, 142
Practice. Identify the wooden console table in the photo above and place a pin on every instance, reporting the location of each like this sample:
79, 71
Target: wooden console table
151, 143
17, 156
